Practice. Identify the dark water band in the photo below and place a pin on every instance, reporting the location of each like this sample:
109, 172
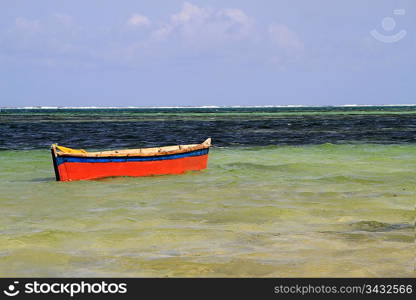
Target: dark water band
91, 129
61, 160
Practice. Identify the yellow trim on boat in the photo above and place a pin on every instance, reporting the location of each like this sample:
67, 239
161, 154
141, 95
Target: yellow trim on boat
69, 150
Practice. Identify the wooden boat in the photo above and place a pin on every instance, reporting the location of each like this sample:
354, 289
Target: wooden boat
78, 164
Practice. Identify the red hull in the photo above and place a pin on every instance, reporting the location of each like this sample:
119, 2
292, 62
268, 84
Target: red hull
69, 171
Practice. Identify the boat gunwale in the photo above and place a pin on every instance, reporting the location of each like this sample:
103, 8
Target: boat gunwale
158, 151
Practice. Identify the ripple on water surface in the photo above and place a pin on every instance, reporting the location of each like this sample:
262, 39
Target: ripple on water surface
324, 210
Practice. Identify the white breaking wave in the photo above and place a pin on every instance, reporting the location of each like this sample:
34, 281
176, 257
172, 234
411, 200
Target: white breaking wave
204, 106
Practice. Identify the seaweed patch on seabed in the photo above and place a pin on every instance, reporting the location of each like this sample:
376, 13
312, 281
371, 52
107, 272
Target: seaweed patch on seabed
374, 230
251, 127
375, 226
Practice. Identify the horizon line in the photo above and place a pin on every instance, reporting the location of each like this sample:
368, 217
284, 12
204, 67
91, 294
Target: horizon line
203, 106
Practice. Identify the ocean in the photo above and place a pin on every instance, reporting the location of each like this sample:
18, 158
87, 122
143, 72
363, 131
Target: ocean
288, 192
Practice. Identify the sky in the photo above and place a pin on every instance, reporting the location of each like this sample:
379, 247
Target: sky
206, 53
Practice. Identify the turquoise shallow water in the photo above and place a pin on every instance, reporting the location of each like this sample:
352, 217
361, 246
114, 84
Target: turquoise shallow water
310, 210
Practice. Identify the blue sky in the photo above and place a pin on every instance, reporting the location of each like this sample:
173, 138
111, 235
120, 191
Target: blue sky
176, 53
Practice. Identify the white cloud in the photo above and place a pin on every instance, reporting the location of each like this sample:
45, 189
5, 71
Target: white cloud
237, 23
236, 15
27, 25
285, 38
203, 25
137, 20
162, 32
190, 12
228, 33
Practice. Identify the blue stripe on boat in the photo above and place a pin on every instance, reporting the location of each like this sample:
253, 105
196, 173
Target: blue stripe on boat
70, 159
